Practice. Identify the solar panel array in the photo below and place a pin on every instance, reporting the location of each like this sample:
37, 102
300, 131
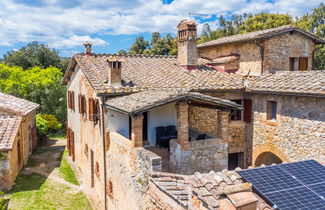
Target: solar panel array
297, 185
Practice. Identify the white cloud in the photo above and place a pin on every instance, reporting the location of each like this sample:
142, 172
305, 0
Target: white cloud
65, 24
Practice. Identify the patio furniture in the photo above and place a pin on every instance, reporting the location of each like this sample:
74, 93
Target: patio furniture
162, 137
201, 136
171, 130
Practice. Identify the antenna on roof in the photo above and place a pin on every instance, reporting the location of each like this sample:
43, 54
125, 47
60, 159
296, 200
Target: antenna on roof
191, 14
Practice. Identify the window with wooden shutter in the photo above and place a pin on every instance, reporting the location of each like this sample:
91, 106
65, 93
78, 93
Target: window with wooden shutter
68, 99
68, 140
303, 63
90, 109
248, 110
107, 141
72, 147
72, 101
79, 103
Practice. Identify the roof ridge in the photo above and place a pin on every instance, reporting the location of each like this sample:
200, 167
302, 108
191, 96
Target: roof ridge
128, 55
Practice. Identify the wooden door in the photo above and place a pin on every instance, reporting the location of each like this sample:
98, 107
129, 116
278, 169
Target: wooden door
72, 145
303, 64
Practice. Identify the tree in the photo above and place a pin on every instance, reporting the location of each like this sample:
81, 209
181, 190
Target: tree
122, 52
264, 21
139, 46
315, 23
34, 54
38, 85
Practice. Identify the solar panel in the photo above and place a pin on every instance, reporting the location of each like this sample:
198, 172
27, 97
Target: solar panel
297, 185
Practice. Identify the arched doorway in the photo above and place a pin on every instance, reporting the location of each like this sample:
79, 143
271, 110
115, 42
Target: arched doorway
267, 158
267, 154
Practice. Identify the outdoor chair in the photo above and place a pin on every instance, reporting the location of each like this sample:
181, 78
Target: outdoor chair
171, 130
201, 136
162, 137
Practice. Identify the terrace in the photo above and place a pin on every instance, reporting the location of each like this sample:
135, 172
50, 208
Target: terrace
158, 122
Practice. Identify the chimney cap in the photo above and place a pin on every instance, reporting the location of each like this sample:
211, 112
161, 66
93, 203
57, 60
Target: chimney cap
187, 22
87, 44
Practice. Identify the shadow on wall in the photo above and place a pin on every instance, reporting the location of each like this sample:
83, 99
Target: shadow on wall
267, 158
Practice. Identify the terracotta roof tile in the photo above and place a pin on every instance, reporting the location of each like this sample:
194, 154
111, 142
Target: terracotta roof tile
261, 34
210, 188
16, 105
144, 100
9, 125
303, 82
146, 72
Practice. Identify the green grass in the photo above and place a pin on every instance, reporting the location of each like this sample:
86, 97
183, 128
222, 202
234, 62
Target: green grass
67, 172
57, 136
33, 191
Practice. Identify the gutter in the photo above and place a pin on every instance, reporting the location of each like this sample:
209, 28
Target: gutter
313, 54
104, 152
262, 54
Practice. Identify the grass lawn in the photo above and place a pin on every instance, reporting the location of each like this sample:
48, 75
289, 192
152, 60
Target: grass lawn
67, 173
57, 136
33, 191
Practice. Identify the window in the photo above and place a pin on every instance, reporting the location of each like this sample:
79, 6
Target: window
93, 110
246, 114
271, 110
236, 114
71, 100
82, 104
303, 64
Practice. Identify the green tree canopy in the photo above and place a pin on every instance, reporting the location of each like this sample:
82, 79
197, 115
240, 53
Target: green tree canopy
139, 46
34, 54
38, 85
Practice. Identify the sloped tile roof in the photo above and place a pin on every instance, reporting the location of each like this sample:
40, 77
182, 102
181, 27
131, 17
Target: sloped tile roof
210, 188
140, 72
9, 125
144, 100
16, 105
261, 34
145, 72
302, 82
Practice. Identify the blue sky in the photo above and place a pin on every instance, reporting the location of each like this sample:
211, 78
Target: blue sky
112, 25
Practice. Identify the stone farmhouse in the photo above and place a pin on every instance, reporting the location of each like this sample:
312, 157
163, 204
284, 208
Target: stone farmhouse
17, 136
142, 129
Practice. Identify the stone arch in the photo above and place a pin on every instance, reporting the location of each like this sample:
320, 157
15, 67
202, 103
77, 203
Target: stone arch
267, 154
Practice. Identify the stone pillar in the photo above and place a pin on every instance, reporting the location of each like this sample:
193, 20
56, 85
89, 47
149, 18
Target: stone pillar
223, 125
136, 130
182, 124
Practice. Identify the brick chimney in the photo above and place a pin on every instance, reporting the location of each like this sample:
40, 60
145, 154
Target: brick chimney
87, 48
187, 49
114, 71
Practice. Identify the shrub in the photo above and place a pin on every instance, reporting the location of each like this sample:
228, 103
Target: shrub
52, 122
42, 127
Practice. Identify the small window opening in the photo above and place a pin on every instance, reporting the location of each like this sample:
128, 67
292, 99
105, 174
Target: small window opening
271, 110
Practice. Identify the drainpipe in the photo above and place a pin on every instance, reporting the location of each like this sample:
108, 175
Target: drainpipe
313, 54
262, 54
104, 151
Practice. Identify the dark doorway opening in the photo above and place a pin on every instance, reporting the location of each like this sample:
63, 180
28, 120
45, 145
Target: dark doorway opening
145, 126
235, 160
130, 127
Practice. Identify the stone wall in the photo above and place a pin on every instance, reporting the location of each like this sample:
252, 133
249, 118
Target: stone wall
203, 119
203, 156
280, 48
250, 57
128, 182
9, 165
277, 51
297, 134
88, 136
